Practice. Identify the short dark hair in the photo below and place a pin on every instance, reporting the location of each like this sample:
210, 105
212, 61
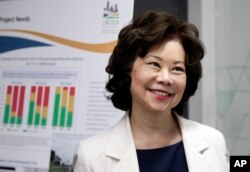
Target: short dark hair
146, 31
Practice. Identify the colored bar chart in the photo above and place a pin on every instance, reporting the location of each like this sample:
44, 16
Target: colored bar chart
14, 103
63, 107
38, 106
42, 99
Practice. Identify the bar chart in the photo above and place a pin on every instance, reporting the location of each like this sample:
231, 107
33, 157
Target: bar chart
63, 107
14, 102
46, 102
38, 105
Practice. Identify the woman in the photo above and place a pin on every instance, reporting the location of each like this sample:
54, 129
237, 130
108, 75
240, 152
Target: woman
153, 70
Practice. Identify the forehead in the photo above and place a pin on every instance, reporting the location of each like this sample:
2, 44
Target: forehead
171, 49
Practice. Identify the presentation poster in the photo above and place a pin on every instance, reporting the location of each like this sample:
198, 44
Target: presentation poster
53, 55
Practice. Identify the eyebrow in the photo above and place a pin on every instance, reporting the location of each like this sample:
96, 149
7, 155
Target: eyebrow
177, 62
159, 58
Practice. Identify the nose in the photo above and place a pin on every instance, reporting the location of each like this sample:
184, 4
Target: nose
164, 77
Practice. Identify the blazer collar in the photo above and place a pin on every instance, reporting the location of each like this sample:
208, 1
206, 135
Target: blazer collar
194, 144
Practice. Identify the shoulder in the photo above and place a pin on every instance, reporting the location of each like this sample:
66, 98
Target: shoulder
100, 141
198, 134
193, 127
91, 151
96, 141
208, 141
92, 141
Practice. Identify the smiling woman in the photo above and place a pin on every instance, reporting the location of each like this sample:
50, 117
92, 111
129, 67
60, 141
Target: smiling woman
153, 70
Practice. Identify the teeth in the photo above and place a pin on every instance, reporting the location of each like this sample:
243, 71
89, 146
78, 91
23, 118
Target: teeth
161, 93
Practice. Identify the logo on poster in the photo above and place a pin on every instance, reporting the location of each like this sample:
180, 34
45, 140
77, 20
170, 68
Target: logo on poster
110, 18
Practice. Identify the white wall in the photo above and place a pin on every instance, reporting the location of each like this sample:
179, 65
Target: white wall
194, 16
223, 99
203, 105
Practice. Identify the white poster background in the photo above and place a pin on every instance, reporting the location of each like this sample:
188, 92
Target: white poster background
66, 26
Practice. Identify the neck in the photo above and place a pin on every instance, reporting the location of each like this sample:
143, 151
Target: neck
153, 130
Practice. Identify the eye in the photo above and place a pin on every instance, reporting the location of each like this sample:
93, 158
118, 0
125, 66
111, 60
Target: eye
178, 69
154, 64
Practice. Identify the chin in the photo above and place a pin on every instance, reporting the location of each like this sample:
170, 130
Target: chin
160, 109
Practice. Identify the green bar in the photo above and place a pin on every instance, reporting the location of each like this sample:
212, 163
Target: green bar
44, 121
31, 112
37, 119
6, 114
19, 120
63, 114
12, 119
69, 120
56, 110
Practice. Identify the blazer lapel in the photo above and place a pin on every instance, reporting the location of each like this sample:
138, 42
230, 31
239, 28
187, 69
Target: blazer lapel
195, 146
195, 160
122, 149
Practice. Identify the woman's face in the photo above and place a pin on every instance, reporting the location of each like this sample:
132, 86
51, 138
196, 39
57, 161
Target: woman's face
158, 80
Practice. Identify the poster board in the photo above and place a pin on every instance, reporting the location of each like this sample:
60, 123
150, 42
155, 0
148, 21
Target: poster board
53, 56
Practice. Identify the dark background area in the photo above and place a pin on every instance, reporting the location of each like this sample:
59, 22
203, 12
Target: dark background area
175, 7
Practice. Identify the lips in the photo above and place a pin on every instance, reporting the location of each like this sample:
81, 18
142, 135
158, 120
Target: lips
160, 94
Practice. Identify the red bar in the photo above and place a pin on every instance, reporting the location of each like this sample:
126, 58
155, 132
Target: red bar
14, 101
33, 89
72, 91
46, 97
21, 101
9, 89
65, 88
39, 96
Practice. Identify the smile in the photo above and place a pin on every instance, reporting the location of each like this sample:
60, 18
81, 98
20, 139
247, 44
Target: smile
160, 93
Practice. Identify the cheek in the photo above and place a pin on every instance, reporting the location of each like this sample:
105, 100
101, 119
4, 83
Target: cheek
182, 84
136, 78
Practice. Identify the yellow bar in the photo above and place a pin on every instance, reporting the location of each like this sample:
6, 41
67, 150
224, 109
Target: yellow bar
45, 112
58, 90
32, 97
8, 97
38, 109
71, 103
64, 97
13, 114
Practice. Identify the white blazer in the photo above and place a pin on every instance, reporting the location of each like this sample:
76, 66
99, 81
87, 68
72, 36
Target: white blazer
114, 150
